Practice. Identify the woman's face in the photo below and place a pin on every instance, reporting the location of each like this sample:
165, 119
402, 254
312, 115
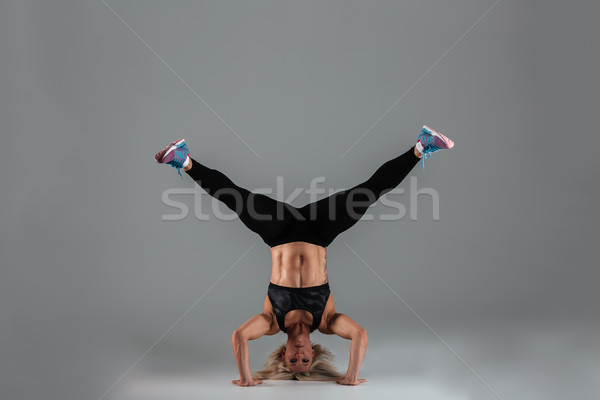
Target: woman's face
298, 354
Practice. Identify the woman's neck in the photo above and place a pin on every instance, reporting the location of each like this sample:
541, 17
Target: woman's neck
298, 329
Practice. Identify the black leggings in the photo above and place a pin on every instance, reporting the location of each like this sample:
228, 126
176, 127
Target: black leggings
318, 222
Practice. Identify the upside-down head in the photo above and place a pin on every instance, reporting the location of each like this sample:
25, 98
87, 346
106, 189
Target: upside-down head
312, 362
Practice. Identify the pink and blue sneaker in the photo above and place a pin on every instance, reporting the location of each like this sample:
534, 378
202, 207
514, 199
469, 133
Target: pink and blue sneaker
175, 154
430, 141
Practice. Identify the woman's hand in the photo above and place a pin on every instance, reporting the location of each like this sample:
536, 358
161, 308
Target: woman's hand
348, 381
345, 327
252, 382
252, 329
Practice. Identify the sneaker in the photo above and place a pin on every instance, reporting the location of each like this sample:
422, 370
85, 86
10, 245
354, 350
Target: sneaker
430, 141
174, 154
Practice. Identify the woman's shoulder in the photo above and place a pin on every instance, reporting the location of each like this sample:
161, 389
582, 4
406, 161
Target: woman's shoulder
328, 312
270, 315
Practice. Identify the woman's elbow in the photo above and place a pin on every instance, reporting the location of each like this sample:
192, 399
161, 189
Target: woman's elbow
237, 337
361, 335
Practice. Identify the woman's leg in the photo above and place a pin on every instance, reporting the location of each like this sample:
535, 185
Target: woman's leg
260, 213
334, 214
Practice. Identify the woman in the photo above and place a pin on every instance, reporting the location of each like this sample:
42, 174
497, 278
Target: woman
298, 299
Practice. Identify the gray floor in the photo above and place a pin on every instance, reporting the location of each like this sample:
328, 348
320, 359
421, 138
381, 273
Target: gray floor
523, 360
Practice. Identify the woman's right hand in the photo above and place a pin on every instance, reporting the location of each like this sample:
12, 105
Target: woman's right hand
252, 382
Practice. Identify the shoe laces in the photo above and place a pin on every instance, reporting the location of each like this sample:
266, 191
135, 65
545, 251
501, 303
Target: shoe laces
427, 152
178, 160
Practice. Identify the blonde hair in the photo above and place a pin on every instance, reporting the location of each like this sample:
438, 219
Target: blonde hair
321, 368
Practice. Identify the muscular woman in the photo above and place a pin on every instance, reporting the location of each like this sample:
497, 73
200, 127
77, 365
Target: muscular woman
299, 299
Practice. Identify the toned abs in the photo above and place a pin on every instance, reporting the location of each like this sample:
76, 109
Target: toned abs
299, 264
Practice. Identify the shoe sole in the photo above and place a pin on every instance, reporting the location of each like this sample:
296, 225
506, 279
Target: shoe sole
161, 154
446, 140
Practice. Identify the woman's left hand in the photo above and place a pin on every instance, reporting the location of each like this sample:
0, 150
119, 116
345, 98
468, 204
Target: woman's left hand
347, 381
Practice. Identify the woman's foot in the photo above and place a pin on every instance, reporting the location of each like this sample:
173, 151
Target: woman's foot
176, 154
430, 141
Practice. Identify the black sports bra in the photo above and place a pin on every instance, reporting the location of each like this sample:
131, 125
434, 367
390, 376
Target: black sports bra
285, 299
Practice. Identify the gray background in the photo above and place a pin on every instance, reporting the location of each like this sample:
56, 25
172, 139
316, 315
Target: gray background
504, 284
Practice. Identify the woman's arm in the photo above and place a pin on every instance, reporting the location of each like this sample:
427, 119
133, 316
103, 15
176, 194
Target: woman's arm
345, 327
252, 329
